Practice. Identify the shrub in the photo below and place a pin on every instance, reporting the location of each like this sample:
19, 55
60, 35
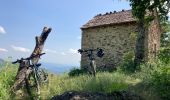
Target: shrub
76, 72
128, 63
164, 55
161, 82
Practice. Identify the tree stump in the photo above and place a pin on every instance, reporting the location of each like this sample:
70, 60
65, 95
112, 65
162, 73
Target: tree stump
24, 69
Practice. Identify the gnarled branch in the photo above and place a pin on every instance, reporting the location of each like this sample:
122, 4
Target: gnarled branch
24, 70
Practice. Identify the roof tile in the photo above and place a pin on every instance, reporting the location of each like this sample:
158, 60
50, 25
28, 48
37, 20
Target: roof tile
123, 16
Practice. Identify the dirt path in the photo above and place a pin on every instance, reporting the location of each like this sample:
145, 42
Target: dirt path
117, 95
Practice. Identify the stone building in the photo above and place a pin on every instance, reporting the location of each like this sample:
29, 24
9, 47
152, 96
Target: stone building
115, 32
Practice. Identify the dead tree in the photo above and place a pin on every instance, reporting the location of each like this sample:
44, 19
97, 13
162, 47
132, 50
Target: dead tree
24, 69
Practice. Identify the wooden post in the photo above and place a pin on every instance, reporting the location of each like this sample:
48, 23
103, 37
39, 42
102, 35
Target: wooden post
24, 70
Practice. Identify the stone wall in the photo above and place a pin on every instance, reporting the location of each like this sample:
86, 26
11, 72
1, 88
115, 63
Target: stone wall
153, 39
115, 40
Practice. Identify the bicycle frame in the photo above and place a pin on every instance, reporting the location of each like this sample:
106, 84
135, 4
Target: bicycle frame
34, 67
90, 54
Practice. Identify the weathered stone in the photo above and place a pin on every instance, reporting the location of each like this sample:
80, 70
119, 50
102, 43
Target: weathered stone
116, 39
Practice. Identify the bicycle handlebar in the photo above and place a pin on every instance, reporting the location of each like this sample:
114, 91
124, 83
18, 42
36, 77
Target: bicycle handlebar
86, 50
100, 52
17, 61
29, 58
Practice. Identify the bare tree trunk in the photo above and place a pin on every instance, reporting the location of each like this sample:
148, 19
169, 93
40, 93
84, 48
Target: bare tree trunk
24, 70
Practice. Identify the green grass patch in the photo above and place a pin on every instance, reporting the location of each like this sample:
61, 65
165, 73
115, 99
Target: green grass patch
151, 82
7, 76
103, 82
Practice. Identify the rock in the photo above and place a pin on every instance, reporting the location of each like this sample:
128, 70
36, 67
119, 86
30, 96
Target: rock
116, 95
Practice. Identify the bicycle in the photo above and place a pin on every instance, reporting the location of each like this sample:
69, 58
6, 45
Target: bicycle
37, 74
89, 52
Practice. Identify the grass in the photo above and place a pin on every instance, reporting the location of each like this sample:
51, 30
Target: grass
7, 76
140, 83
103, 82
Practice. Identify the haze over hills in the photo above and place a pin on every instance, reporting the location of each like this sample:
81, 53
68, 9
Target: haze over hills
57, 68
51, 67
1, 61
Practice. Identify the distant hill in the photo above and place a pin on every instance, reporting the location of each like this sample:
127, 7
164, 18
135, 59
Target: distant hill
50, 67
57, 68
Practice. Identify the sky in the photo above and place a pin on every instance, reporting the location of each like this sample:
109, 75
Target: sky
22, 20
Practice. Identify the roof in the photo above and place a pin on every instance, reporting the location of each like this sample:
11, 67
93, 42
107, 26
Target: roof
111, 18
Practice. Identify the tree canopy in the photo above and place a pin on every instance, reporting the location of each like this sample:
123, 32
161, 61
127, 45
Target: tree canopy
140, 8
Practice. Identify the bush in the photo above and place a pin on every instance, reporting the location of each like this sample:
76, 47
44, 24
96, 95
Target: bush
76, 72
128, 63
164, 55
161, 82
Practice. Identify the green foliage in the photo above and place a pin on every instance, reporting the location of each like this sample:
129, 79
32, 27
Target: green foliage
161, 82
103, 82
165, 36
150, 82
155, 79
140, 7
161, 76
76, 72
148, 19
164, 55
128, 63
7, 76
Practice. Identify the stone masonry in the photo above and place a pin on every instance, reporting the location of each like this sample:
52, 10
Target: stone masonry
115, 33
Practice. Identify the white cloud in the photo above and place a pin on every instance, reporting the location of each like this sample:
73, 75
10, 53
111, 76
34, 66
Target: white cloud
73, 51
66, 57
2, 30
3, 50
68, 52
63, 53
50, 51
21, 49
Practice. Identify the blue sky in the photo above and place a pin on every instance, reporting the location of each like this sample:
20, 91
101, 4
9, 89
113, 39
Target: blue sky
22, 20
